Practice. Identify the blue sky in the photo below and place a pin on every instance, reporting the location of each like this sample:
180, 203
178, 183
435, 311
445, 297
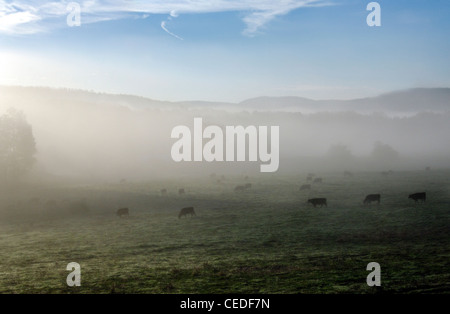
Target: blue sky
226, 50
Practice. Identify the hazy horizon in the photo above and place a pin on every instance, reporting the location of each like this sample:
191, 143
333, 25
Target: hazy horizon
110, 137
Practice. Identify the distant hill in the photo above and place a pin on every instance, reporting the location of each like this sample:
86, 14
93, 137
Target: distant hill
105, 136
403, 102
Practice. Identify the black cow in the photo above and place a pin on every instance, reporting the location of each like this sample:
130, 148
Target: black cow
318, 201
248, 185
372, 198
418, 196
123, 212
317, 180
185, 211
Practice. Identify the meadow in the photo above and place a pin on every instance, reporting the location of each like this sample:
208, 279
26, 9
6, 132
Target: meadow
265, 239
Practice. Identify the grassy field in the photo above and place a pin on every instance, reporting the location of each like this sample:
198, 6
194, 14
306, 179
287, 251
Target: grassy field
266, 239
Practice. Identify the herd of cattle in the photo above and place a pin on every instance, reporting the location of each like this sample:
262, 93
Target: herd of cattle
371, 198
421, 196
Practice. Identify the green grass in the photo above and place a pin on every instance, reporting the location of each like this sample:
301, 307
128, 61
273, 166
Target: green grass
264, 240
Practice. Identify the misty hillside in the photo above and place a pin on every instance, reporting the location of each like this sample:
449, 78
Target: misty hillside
395, 103
398, 103
103, 136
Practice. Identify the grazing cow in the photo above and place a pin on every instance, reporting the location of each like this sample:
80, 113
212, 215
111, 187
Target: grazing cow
318, 180
123, 212
372, 198
305, 187
318, 201
185, 211
164, 192
181, 192
418, 196
248, 185
239, 188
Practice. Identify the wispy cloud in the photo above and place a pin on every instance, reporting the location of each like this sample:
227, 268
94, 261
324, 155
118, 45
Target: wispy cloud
28, 16
163, 26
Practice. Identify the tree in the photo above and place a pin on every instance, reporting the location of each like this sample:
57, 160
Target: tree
340, 152
384, 153
17, 146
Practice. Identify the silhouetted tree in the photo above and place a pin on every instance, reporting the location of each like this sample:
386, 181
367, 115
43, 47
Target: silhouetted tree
340, 152
17, 146
384, 153
340, 156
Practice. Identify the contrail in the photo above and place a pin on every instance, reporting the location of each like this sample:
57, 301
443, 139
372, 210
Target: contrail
163, 26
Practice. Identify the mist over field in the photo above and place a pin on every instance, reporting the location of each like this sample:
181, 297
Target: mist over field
72, 161
103, 137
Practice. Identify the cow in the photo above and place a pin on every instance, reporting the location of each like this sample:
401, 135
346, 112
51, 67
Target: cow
181, 192
418, 196
248, 185
163, 192
318, 201
185, 211
372, 198
123, 212
309, 178
239, 188
317, 180
305, 187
